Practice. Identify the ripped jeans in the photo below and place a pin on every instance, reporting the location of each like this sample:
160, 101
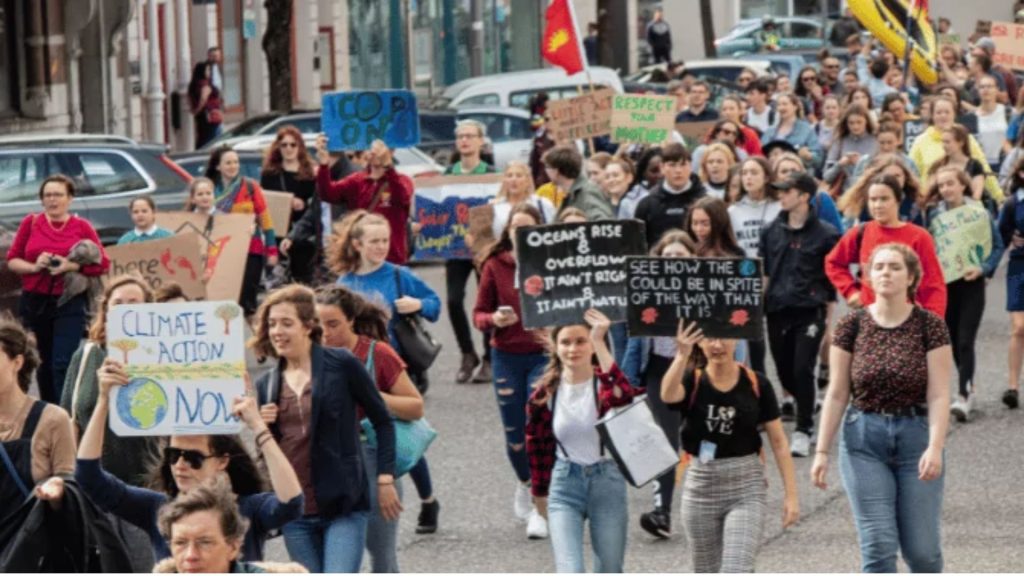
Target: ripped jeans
514, 375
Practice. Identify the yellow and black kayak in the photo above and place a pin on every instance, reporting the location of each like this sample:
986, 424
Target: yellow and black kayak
887, 21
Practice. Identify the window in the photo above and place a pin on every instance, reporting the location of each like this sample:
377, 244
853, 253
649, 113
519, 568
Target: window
231, 50
307, 124
501, 128
482, 100
803, 30
728, 73
8, 72
105, 173
22, 173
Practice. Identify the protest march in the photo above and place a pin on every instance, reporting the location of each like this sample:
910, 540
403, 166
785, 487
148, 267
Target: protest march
719, 321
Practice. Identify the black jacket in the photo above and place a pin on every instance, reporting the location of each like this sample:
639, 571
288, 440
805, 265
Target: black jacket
77, 538
794, 261
340, 384
662, 211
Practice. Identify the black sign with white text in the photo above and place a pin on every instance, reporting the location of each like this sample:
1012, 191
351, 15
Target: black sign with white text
566, 269
723, 295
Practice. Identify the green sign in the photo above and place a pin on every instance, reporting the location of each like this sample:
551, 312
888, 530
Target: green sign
963, 240
642, 119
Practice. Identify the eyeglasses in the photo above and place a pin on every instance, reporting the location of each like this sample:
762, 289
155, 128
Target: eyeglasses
55, 194
193, 458
288, 145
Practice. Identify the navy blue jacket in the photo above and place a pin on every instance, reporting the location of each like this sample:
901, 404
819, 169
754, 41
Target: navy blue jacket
340, 385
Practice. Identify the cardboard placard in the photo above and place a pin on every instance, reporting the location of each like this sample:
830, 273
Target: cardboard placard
1009, 40
949, 39
186, 363
224, 246
695, 130
280, 206
963, 240
353, 120
443, 207
175, 259
722, 295
581, 117
911, 130
481, 222
566, 269
642, 119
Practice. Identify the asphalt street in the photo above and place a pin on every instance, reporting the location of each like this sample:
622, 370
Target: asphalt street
983, 514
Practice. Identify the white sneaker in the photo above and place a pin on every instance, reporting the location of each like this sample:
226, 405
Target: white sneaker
522, 505
537, 526
800, 445
961, 408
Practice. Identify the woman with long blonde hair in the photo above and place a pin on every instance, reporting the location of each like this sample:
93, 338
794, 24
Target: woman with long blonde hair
517, 187
715, 163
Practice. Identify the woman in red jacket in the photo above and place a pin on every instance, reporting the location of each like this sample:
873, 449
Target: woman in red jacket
517, 356
46, 253
884, 197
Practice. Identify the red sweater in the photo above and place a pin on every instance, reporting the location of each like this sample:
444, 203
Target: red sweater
35, 235
357, 191
498, 288
931, 294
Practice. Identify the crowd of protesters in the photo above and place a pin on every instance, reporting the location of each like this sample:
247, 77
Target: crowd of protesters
817, 181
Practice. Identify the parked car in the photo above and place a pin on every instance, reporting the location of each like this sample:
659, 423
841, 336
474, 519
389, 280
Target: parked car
195, 162
109, 172
722, 69
794, 33
516, 89
307, 121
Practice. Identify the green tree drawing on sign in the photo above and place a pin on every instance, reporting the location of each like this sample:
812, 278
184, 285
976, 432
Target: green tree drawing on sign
125, 346
227, 313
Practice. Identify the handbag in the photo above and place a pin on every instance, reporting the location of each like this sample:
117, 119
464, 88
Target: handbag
412, 438
89, 345
418, 347
636, 442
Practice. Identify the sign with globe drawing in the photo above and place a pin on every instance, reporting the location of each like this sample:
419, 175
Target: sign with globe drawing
187, 365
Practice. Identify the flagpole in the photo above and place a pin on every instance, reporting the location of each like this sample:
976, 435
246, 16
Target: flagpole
915, 5
583, 59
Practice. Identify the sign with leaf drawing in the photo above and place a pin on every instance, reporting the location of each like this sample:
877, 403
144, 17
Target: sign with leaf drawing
175, 259
186, 363
224, 244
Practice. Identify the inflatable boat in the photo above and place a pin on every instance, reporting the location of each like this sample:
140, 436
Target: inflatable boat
887, 21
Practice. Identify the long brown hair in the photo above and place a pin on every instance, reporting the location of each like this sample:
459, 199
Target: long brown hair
342, 255
674, 236
769, 192
552, 375
504, 244
98, 330
722, 242
367, 318
16, 341
933, 195
962, 137
273, 161
852, 202
304, 301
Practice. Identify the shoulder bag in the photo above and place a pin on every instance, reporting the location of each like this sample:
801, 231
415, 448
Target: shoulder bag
637, 443
419, 348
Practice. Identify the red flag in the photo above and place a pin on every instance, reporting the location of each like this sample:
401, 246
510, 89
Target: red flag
561, 43
921, 8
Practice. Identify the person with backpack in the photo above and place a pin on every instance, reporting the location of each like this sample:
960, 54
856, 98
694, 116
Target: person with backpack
793, 250
889, 391
568, 464
311, 401
287, 167
723, 404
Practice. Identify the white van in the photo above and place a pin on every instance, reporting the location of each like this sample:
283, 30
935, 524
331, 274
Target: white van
515, 89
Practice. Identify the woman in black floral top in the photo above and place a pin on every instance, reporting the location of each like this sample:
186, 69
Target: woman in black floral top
893, 360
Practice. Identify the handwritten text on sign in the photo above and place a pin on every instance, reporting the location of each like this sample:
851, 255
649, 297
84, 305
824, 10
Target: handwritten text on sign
963, 240
353, 120
186, 362
566, 269
443, 210
584, 116
642, 119
723, 295
1009, 41
175, 259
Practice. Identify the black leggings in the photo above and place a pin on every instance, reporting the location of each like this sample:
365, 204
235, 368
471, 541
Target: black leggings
965, 305
669, 420
252, 283
758, 351
456, 275
795, 337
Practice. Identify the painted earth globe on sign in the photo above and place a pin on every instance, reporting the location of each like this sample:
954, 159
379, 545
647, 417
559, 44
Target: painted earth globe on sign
142, 404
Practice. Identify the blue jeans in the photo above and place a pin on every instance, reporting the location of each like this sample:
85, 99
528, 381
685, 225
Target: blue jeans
893, 509
596, 493
58, 334
514, 374
619, 338
327, 545
381, 534
420, 475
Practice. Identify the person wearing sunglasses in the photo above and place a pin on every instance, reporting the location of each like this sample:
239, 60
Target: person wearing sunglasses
288, 167
188, 462
811, 92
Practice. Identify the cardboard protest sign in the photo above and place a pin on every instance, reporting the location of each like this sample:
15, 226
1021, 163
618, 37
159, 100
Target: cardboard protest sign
949, 39
353, 120
566, 269
642, 119
722, 295
581, 117
175, 259
442, 209
911, 130
1009, 40
224, 246
695, 130
280, 206
963, 240
186, 363
481, 222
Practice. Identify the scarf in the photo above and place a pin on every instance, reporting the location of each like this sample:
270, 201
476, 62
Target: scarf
225, 201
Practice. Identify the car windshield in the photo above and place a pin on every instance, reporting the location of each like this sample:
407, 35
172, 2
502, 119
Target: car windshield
244, 128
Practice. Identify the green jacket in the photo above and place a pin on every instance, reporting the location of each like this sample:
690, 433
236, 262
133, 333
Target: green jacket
127, 458
586, 196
